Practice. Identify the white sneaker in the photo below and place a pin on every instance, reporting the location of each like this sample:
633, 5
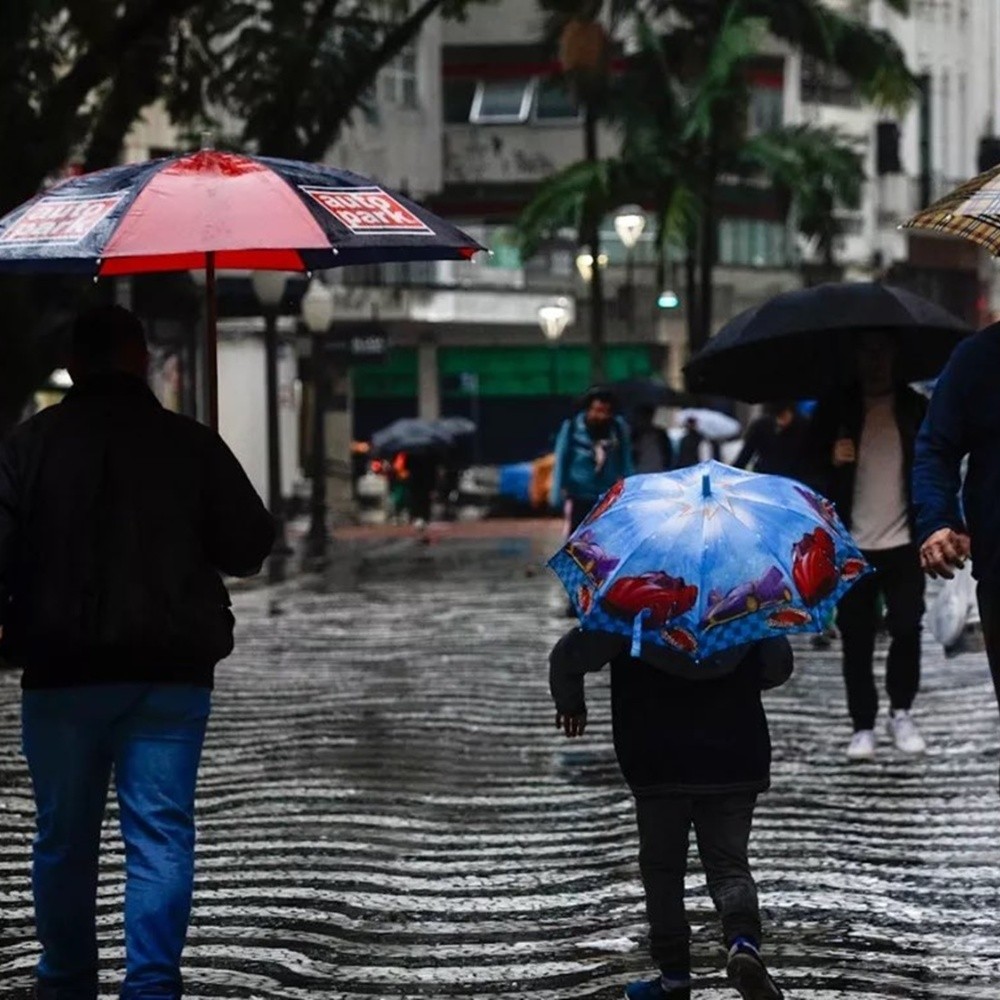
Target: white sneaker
862, 745
905, 734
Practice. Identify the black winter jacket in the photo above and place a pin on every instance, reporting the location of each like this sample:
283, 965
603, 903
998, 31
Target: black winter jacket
673, 735
844, 416
116, 519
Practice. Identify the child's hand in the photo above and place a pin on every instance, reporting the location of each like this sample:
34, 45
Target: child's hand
572, 725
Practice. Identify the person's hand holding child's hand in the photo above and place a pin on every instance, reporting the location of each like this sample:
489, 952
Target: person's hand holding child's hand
572, 725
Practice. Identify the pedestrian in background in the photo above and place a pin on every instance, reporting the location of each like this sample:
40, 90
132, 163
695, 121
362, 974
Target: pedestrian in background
689, 448
693, 752
652, 449
773, 442
423, 469
956, 520
593, 451
859, 452
116, 519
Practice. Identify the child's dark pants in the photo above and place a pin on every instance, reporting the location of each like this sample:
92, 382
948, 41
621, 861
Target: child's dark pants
722, 825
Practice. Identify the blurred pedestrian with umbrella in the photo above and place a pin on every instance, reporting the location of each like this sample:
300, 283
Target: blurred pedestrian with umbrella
773, 442
859, 451
117, 518
422, 445
686, 583
703, 428
652, 449
803, 343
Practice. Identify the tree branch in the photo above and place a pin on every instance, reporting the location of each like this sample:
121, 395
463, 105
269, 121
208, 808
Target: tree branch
362, 75
60, 107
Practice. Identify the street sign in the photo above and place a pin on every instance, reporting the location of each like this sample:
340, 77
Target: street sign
357, 343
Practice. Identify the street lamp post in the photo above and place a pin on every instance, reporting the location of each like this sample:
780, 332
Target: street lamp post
629, 224
317, 314
585, 264
553, 318
269, 287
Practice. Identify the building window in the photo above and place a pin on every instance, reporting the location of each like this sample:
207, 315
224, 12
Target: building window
767, 109
753, 243
458, 96
502, 101
822, 84
398, 80
554, 102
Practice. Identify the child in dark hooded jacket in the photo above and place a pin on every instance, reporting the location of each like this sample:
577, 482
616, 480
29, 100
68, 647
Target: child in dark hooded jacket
693, 745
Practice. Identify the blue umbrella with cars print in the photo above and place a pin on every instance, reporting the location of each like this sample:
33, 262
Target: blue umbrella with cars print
708, 558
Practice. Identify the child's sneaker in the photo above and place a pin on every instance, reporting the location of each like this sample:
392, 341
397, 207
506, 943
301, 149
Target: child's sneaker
748, 974
658, 989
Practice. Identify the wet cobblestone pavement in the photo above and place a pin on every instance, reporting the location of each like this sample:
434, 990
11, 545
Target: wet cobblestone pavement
385, 811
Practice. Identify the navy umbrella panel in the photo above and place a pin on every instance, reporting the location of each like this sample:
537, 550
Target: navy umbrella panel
800, 344
215, 210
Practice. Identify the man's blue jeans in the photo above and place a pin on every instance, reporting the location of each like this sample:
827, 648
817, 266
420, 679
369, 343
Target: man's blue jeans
151, 735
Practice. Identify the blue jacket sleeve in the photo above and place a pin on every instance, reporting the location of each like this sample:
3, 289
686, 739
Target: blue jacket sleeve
559, 468
941, 445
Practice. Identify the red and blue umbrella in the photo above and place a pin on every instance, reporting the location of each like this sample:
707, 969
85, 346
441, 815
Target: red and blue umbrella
212, 210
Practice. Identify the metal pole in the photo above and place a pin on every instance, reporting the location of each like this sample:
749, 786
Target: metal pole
276, 564
211, 343
475, 419
318, 536
630, 285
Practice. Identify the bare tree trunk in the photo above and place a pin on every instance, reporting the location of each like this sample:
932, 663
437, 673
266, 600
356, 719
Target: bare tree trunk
692, 304
592, 240
708, 224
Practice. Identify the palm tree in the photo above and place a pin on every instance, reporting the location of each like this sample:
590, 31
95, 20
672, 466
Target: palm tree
674, 150
584, 53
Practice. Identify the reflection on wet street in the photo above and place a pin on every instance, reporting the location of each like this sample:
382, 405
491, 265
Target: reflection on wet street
386, 811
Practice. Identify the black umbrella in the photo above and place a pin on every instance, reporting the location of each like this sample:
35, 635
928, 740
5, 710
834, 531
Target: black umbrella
412, 435
800, 344
633, 393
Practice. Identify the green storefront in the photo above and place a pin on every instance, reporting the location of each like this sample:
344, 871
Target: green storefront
524, 392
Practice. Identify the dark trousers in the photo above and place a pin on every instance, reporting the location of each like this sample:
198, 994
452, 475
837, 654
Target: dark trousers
722, 826
989, 615
900, 581
579, 508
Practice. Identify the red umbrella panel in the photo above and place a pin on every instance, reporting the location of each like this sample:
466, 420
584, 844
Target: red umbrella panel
217, 210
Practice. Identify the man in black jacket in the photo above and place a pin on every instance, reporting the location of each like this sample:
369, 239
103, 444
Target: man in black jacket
859, 453
117, 518
693, 752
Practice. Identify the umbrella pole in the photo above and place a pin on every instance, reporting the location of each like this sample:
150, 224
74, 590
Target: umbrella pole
211, 343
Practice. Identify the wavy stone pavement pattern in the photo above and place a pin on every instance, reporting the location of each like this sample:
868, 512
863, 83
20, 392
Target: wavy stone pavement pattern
384, 811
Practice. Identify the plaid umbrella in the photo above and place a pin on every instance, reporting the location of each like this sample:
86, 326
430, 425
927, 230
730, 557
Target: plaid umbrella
971, 211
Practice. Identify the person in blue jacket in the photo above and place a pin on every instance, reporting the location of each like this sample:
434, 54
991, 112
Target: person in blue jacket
954, 522
593, 451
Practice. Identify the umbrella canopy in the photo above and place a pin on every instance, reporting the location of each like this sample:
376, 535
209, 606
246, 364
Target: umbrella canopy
411, 435
213, 210
227, 210
456, 427
633, 393
713, 425
706, 559
971, 211
800, 344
